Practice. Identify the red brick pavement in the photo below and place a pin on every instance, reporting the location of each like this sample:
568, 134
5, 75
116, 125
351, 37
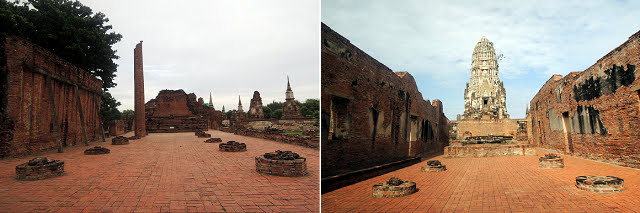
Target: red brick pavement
170, 172
497, 184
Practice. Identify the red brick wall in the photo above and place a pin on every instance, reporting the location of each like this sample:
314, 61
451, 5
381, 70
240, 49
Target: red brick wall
598, 107
138, 79
356, 88
503, 127
28, 103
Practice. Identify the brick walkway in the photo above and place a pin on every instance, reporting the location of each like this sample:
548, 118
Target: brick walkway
171, 172
498, 184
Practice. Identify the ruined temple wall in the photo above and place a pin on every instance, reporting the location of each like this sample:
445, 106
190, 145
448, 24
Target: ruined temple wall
304, 124
371, 115
599, 109
28, 103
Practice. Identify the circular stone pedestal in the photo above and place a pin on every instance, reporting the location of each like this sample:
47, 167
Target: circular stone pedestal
551, 161
233, 146
281, 163
393, 188
434, 166
600, 184
213, 140
40, 168
119, 140
202, 134
97, 151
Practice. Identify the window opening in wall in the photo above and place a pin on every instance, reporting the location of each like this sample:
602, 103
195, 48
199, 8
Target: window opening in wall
485, 103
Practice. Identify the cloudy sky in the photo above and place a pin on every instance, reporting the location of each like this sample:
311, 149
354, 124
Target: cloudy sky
434, 40
228, 48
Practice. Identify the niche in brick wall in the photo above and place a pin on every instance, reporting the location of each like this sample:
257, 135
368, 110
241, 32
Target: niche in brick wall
339, 121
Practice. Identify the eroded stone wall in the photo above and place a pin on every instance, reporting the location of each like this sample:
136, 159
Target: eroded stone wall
28, 107
594, 113
370, 114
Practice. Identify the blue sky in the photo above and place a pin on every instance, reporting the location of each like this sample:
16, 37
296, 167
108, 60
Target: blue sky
434, 40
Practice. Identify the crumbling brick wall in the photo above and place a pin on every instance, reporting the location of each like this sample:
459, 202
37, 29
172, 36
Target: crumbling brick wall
28, 108
594, 113
498, 127
370, 114
177, 111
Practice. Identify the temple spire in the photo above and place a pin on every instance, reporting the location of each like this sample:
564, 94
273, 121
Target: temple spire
210, 100
289, 93
239, 104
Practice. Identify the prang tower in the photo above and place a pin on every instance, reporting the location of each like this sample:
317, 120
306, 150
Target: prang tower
484, 97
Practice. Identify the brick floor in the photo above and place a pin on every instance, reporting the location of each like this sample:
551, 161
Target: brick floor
170, 172
497, 184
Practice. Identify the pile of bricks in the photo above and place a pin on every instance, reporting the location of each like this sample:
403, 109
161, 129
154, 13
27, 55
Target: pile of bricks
233, 146
97, 151
119, 140
551, 161
600, 184
135, 137
434, 166
213, 140
40, 168
395, 187
282, 163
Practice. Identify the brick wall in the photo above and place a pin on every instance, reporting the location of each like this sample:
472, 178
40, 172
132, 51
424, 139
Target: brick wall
594, 113
370, 114
28, 103
503, 127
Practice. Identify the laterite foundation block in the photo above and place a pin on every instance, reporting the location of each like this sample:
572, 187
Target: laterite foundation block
281, 163
393, 188
600, 184
233, 146
434, 166
40, 168
551, 161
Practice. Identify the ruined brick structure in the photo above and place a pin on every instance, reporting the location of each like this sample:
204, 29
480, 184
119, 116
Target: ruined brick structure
370, 114
116, 127
484, 97
485, 111
290, 108
175, 111
595, 113
48, 102
138, 79
255, 107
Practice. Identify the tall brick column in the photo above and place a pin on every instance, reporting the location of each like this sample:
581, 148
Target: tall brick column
138, 79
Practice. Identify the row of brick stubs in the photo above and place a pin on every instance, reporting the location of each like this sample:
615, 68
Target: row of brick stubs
40, 168
286, 168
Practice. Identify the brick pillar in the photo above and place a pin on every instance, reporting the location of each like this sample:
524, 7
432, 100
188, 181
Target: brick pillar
138, 79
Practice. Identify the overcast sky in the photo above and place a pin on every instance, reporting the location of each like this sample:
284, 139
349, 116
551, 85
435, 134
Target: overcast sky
228, 48
434, 40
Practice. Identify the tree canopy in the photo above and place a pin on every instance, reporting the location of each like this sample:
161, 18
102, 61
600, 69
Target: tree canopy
66, 28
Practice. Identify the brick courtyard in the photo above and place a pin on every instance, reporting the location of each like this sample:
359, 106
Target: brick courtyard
170, 172
495, 184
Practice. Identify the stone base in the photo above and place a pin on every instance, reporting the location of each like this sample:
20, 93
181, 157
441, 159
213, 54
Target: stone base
551, 161
386, 190
213, 140
434, 166
134, 137
119, 140
286, 168
600, 184
489, 150
233, 146
97, 151
39, 168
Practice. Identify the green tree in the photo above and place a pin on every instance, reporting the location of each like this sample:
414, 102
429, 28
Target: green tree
109, 107
127, 113
276, 113
229, 113
266, 111
274, 105
310, 108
